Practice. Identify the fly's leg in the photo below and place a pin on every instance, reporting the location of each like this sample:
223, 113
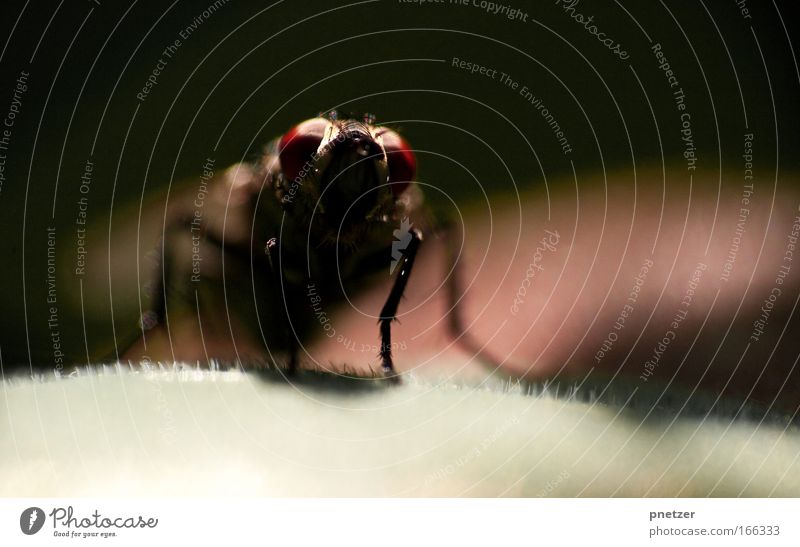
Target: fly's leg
159, 295
163, 276
167, 283
279, 281
389, 311
455, 295
455, 321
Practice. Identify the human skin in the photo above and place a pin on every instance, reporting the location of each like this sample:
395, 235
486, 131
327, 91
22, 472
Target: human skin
703, 278
580, 312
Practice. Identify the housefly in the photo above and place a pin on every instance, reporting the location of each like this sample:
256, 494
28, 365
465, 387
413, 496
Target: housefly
320, 209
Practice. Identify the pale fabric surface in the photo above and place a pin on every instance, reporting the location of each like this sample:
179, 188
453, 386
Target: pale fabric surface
226, 433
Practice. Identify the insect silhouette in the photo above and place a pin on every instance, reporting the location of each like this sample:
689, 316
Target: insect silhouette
320, 209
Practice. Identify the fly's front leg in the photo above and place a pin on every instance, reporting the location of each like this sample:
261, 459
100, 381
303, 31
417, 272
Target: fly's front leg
279, 281
389, 311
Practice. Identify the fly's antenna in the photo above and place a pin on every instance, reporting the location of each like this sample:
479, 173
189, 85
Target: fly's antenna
402, 237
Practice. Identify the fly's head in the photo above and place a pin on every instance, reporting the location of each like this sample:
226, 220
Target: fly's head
341, 175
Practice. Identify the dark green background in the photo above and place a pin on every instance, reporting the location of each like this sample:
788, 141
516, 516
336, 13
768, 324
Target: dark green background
243, 66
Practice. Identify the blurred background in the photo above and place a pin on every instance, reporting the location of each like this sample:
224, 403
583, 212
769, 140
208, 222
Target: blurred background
227, 77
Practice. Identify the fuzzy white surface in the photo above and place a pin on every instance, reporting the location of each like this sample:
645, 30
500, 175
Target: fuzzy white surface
186, 432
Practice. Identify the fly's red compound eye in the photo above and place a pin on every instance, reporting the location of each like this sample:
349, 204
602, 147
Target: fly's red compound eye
299, 144
401, 160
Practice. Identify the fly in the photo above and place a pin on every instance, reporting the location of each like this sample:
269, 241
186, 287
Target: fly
325, 205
